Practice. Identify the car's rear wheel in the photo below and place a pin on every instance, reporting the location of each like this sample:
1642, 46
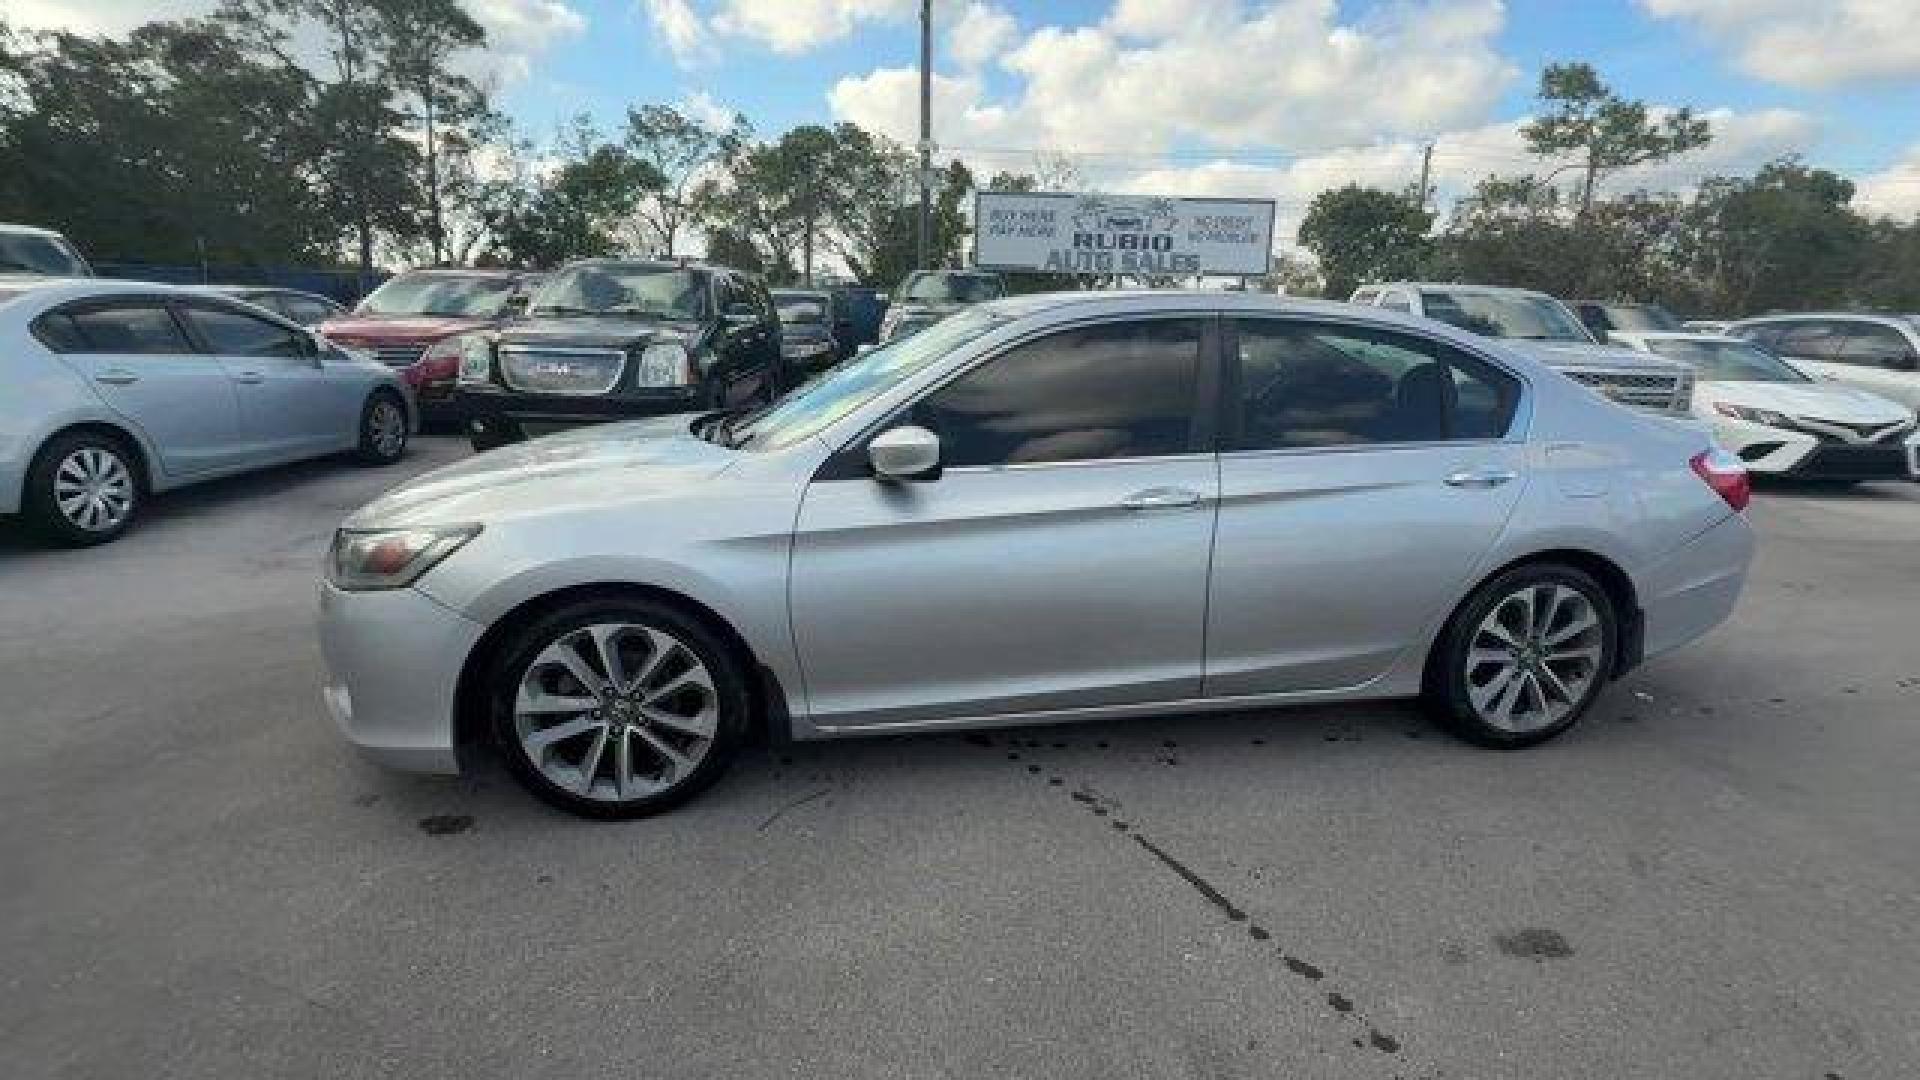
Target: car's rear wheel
618, 708
383, 429
82, 489
1524, 657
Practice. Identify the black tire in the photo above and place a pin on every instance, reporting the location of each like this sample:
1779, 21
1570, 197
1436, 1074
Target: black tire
41, 505
1449, 686
731, 701
381, 443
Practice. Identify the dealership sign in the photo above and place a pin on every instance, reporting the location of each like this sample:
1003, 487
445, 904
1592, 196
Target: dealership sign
1061, 233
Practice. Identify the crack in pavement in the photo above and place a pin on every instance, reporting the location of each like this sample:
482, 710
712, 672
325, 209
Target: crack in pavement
1094, 803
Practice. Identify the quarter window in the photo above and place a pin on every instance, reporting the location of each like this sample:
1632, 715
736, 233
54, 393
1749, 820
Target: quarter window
1873, 345
121, 328
233, 333
1302, 384
1113, 390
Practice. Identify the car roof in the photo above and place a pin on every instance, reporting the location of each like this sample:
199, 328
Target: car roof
1461, 286
59, 290
1679, 335
461, 271
29, 230
1790, 316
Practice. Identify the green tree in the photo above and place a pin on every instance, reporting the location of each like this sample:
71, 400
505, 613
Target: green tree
424, 37
176, 144
1608, 133
683, 152
579, 209
1364, 234
1787, 237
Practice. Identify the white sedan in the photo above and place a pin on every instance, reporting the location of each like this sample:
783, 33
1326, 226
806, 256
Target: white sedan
1781, 421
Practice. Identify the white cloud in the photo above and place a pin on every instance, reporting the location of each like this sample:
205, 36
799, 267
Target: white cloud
704, 109
1462, 158
795, 26
680, 29
981, 33
1142, 80
1811, 44
1894, 191
518, 31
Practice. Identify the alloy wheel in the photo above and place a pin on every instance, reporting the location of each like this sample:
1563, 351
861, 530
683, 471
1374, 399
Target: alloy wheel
386, 428
93, 489
1534, 658
616, 711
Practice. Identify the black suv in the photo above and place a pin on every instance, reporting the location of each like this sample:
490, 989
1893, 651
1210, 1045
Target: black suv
611, 339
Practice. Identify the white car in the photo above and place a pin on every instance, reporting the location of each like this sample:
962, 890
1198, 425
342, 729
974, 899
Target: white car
1780, 421
1547, 330
26, 249
1875, 351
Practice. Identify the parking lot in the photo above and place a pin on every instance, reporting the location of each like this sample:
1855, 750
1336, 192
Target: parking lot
1714, 876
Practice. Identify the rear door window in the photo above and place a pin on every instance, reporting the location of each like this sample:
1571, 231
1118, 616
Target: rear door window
1873, 345
235, 333
134, 327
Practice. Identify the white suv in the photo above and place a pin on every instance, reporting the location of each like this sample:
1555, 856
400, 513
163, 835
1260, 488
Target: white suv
1876, 352
25, 249
1545, 329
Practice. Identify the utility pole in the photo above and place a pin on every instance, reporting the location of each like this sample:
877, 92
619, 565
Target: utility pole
926, 128
1426, 171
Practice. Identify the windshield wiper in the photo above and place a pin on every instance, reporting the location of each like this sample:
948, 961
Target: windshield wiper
561, 309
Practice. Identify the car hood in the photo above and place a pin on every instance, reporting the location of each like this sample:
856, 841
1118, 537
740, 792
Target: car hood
597, 466
1586, 354
356, 329
1815, 401
591, 331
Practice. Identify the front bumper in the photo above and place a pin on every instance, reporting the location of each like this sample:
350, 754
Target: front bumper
498, 417
1774, 451
393, 661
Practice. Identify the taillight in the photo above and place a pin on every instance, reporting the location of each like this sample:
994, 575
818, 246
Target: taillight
1726, 476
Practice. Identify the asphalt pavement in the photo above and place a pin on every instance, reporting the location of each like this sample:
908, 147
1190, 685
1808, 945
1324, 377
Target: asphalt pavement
1716, 875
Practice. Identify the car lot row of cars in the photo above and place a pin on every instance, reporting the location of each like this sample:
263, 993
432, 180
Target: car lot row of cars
1828, 396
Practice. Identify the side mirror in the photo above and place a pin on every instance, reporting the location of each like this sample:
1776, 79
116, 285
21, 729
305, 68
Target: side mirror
905, 453
315, 347
741, 314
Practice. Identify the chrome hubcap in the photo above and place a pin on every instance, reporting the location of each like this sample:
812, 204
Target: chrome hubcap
93, 489
1534, 657
388, 428
616, 711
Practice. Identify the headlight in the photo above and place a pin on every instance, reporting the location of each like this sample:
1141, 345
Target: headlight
476, 358
368, 561
664, 363
1766, 417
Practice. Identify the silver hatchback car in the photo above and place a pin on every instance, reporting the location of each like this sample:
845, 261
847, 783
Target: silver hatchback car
112, 390
1040, 509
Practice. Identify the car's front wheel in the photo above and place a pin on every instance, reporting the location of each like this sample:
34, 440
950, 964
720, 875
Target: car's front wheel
82, 490
618, 708
1524, 656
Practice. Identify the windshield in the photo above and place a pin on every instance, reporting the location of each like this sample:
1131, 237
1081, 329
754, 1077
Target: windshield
801, 307
1504, 315
623, 289
38, 255
1640, 318
439, 294
814, 407
1729, 361
951, 288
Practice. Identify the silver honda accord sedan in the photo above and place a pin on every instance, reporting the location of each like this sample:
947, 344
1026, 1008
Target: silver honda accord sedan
1042, 509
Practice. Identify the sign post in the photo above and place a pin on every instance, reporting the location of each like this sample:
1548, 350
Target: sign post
1064, 233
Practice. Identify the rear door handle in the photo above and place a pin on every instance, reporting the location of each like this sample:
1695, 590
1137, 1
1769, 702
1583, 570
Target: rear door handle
1481, 478
1162, 498
117, 377
250, 378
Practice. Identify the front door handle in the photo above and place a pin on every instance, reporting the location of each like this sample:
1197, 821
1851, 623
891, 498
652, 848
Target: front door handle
117, 377
1481, 478
250, 378
1162, 498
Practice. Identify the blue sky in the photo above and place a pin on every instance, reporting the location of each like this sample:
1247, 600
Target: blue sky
1273, 98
